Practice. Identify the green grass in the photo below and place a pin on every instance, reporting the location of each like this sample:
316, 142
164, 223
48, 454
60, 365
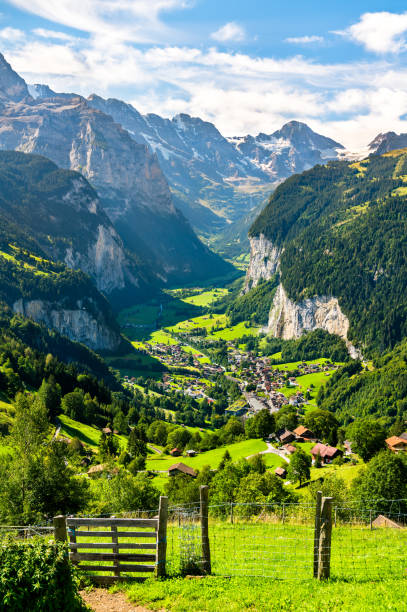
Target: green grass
212, 457
86, 433
235, 331
206, 298
212, 594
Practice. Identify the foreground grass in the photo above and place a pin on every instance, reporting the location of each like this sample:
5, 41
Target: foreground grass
259, 594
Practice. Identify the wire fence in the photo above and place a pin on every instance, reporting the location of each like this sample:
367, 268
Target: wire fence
278, 540
368, 540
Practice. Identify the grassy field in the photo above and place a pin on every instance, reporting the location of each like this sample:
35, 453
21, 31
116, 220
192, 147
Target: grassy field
212, 457
206, 298
212, 594
86, 433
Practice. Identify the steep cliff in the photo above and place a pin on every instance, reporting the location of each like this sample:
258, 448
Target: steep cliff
62, 213
264, 261
77, 323
288, 319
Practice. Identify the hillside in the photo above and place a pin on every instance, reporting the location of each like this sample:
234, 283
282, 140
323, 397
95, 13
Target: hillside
337, 235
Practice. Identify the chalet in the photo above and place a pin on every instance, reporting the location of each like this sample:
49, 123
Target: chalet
191, 452
281, 472
397, 444
304, 432
175, 452
287, 436
290, 449
326, 452
181, 468
107, 431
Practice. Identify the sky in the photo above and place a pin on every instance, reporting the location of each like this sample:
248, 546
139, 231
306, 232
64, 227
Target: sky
247, 66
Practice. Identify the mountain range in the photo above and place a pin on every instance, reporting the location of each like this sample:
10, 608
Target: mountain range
126, 175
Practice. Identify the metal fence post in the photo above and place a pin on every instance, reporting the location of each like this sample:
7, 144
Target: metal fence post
206, 552
161, 554
60, 528
317, 531
324, 558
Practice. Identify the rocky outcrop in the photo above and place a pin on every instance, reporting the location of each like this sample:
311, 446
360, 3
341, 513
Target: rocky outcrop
78, 324
264, 261
12, 86
288, 320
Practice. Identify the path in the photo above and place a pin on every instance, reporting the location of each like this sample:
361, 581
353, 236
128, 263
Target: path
56, 434
156, 450
101, 600
271, 449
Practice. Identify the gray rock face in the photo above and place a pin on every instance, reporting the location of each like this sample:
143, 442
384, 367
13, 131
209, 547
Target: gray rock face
290, 320
264, 261
126, 174
77, 324
387, 142
12, 86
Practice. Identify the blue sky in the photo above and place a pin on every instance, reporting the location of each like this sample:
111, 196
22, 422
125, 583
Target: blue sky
247, 66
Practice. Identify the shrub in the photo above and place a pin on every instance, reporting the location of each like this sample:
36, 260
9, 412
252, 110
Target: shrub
38, 577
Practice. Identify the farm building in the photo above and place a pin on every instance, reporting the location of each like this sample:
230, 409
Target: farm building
304, 432
176, 452
181, 468
281, 472
191, 452
326, 452
286, 436
397, 444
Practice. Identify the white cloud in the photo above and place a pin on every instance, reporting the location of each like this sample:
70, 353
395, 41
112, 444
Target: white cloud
52, 34
304, 40
230, 32
240, 93
132, 20
381, 32
11, 34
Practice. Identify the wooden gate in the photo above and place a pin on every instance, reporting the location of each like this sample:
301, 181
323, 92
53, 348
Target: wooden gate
125, 535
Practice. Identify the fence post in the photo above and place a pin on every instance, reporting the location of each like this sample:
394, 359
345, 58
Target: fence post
283, 517
370, 520
60, 528
317, 531
206, 551
231, 512
324, 559
161, 554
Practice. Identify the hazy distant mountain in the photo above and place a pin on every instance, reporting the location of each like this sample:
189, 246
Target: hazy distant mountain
217, 180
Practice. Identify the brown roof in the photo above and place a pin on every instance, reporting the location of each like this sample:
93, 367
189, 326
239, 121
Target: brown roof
324, 450
107, 430
290, 448
181, 467
280, 471
287, 434
301, 430
95, 469
395, 441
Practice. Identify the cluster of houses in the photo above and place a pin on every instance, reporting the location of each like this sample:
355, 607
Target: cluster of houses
326, 452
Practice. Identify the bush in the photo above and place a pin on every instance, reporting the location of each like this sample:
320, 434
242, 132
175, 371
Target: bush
38, 577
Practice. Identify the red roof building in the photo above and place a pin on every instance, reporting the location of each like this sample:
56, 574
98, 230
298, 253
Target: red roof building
326, 452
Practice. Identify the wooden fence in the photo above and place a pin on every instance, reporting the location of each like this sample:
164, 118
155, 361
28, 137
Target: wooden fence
120, 531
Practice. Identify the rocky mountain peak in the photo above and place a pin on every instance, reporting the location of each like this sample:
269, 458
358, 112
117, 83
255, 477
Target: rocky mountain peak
387, 141
12, 86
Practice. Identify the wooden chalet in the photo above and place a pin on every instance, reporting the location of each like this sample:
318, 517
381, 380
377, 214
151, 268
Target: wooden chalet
397, 444
326, 452
281, 472
181, 468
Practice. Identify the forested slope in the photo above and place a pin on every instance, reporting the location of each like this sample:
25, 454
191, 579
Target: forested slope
343, 229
